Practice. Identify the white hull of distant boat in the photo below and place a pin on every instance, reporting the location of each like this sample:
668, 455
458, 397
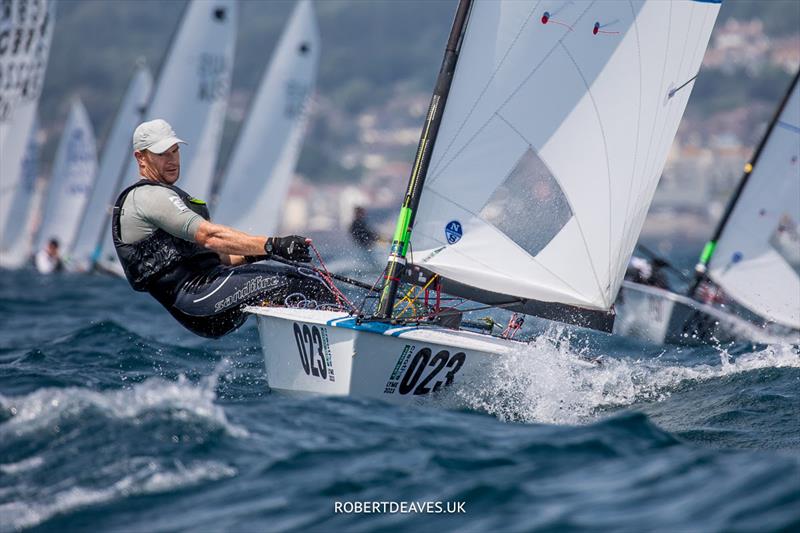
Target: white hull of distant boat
661, 316
315, 352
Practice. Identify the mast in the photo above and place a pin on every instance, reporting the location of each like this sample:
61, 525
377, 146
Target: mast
405, 221
701, 267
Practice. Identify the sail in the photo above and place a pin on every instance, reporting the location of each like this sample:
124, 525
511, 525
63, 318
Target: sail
263, 161
192, 95
116, 153
23, 61
17, 239
193, 87
757, 257
555, 133
71, 182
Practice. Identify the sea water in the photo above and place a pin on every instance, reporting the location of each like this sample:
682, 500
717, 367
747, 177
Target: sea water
113, 418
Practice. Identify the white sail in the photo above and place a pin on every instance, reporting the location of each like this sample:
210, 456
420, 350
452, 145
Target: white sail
71, 182
193, 87
27, 30
17, 239
192, 95
554, 136
262, 164
757, 257
116, 153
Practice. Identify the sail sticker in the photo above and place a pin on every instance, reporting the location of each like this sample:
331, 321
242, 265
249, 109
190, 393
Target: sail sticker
213, 72
296, 98
453, 231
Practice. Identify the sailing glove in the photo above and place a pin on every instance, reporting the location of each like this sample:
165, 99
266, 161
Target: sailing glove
293, 247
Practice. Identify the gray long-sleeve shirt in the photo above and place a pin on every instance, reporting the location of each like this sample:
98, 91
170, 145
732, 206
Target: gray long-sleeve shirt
149, 208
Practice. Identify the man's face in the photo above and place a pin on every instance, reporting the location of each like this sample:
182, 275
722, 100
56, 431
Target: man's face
164, 168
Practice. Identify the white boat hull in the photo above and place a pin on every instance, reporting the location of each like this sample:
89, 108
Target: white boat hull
661, 316
326, 352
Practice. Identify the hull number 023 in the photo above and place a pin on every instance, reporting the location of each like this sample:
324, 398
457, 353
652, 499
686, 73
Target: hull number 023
312, 344
426, 372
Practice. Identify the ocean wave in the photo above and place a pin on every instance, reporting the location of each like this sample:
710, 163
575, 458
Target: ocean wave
180, 399
24, 465
550, 381
149, 479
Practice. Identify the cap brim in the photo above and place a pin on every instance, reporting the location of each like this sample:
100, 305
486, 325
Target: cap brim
164, 144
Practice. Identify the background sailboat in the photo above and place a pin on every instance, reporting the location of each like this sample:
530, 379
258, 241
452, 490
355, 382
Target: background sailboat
263, 161
116, 153
192, 95
17, 239
18, 100
530, 191
74, 172
752, 262
755, 254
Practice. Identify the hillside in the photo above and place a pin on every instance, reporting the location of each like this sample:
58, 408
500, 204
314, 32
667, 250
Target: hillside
373, 50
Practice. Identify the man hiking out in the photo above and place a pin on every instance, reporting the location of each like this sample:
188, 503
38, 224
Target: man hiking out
199, 271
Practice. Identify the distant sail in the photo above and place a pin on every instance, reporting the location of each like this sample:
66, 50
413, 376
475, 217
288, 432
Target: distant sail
262, 164
192, 90
116, 153
74, 171
17, 239
23, 62
555, 133
757, 257
192, 95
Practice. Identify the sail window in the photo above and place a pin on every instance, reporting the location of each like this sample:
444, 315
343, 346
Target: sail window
529, 206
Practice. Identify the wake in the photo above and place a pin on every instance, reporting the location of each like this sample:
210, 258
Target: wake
551, 381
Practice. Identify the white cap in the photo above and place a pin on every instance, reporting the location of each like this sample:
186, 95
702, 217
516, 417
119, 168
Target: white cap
156, 135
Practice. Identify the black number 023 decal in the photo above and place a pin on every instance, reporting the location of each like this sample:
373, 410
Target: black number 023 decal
423, 361
309, 345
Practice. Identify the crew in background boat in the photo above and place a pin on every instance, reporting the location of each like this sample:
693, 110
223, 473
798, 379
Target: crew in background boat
201, 272
48, 259
647, 272
360, 231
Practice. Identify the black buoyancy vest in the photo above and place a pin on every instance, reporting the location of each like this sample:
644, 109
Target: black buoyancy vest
159, 262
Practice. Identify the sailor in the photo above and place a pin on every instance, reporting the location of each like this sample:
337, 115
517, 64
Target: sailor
201, 272
360, 231
48, 259
646, 272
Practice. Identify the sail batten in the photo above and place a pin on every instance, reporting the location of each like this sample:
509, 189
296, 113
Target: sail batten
556, 104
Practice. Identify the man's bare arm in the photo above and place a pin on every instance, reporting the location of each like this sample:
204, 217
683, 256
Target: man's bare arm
233, 245
228, 241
